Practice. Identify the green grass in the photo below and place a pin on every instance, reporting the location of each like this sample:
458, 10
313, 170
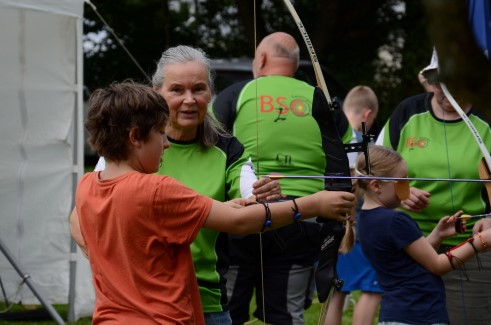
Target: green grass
312, 314
19, 309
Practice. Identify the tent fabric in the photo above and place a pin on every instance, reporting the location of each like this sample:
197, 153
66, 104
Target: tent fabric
40, 131
61, 7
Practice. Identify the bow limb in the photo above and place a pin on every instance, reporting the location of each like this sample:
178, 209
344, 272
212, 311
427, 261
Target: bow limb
485, 163
332, 233
321, 83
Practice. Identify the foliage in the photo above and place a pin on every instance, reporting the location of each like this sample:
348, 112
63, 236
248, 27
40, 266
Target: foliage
349, 37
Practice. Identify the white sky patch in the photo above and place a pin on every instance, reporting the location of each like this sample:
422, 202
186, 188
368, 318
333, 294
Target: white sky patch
400, 7
190, 21
175, 5
93, 40
385, 55
389, 55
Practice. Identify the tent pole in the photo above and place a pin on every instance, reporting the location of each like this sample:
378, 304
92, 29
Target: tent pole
27, 279
78, 166
72, 281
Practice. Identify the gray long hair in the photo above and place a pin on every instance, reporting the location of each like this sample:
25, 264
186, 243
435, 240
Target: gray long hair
210, 130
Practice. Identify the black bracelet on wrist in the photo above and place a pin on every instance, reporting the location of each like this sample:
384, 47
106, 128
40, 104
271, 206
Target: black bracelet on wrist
296, 212
267, 219
470, 240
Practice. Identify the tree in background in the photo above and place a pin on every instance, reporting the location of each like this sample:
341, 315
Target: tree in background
381, 43
463, 65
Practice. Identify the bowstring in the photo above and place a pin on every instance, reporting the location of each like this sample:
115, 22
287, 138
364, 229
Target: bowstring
450, 187
120, 42
447, 154
263, 296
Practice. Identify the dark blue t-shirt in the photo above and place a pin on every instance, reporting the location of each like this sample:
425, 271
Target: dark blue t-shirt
412, 294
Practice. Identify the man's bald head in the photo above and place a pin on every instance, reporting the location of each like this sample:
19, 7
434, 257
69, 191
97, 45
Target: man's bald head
276, 54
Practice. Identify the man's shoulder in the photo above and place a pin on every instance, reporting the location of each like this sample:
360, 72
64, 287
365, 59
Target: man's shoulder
234, 88
229, 143
294, 82
265, 81
412, 105
416, 101
479, 114
283, 86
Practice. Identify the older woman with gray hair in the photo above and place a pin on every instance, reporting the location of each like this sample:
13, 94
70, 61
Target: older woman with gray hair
206, 158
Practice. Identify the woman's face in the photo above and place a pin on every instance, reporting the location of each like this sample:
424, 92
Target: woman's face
187, 93
443, 101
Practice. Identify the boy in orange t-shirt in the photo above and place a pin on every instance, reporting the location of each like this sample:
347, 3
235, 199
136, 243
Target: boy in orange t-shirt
136, 227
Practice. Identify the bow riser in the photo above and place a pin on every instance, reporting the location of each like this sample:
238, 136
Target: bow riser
329, 274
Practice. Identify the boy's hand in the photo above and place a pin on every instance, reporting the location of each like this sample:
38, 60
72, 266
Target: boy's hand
239, 203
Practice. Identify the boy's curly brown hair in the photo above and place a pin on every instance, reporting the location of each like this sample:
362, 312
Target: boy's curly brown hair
115, 110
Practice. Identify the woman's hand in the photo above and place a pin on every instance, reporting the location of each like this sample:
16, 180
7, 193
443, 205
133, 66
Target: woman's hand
266, 189
481, 225
417, 201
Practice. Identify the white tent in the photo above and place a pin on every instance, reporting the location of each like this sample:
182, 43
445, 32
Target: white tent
41, 150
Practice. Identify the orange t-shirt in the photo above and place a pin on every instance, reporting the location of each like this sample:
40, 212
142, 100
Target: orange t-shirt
138, 228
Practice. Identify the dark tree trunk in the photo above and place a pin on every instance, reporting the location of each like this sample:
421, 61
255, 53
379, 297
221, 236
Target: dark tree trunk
463, 65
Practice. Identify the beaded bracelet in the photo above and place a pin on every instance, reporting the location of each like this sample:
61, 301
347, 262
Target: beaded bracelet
484, 246
296, 212
267, 218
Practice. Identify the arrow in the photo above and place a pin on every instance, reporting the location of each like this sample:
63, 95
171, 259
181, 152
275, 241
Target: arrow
395, 179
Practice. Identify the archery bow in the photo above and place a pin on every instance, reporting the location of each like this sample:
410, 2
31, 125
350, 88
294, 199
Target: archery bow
332, 232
